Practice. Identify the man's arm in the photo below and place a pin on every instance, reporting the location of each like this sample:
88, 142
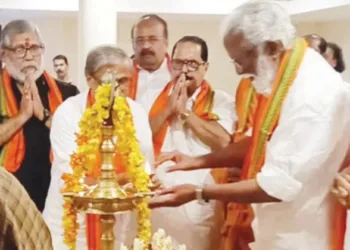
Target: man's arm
240, 192
215, 134
158, 121
211, 133
10, 127
228, 157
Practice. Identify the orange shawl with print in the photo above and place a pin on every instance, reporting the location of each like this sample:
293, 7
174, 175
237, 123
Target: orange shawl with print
202, 107
134, 81
261, 114
12, 154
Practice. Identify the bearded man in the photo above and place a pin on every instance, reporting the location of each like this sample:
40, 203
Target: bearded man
29, 96
297, 110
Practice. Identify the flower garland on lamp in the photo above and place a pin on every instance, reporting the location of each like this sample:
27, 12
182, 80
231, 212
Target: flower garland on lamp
83, 161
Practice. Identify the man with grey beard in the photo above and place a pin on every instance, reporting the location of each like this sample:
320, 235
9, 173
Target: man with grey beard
297, 110
29, 96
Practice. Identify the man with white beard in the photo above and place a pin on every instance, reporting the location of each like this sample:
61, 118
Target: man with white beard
297, 110
28, 98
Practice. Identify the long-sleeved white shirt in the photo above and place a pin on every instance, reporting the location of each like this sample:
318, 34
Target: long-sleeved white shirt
302, 159
64, 126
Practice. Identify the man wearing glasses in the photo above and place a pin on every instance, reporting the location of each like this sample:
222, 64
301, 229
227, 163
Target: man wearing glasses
190, 117
151, 61
29, 96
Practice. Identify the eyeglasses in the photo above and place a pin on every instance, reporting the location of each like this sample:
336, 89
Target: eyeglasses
152, 40
21, 52
191, 65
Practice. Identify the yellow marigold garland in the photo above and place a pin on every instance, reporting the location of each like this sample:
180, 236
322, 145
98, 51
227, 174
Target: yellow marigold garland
128, 145
84, 159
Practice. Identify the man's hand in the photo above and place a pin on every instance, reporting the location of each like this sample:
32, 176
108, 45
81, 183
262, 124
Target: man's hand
171, 106
174, 197
155, 183
37, 104
174, 156
183, 97
341, 187
183, 162
26, 106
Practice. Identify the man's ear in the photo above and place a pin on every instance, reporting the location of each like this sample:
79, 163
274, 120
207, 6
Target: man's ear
273, 48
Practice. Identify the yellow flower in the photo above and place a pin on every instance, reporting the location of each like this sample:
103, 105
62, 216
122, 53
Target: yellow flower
83, 161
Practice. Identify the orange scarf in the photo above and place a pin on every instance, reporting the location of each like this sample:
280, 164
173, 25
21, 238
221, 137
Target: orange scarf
202, 107
13, 152
134, 81
260, 113
93, 224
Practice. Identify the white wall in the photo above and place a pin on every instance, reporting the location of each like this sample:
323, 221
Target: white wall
61, 38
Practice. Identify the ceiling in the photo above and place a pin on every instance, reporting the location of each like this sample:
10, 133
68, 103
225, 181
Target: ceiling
326, 15
340, 12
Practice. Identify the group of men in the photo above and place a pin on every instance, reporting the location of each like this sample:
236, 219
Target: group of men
251, 172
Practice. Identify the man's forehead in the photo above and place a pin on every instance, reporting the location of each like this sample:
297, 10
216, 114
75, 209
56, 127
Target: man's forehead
120, 70
59, 61
236, 40
187, 50
149, 26
27, 38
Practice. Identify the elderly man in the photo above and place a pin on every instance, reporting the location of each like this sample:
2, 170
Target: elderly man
190, 117
151, 63
21, 224
65, 126
300, 130
29, 96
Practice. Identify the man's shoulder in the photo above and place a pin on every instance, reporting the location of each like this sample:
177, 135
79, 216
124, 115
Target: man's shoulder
67, 90
317, 86
71, 103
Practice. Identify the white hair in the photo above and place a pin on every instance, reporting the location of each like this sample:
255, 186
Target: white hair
104, 55
18, 27
260, 21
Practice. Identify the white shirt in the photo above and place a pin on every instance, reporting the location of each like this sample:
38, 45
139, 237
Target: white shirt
64, 126
150, 84
198, 220
302, 159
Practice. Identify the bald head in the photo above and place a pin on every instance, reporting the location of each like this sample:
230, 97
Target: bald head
151, 19
150, 41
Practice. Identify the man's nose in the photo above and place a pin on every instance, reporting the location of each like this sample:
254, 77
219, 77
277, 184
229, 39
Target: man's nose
146, 44
184, 68
28, 56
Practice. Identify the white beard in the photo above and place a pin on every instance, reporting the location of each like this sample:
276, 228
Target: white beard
266, 73
20, 75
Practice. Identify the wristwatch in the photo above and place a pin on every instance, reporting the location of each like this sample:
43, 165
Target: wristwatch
184, 116
199, 196
47, 115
